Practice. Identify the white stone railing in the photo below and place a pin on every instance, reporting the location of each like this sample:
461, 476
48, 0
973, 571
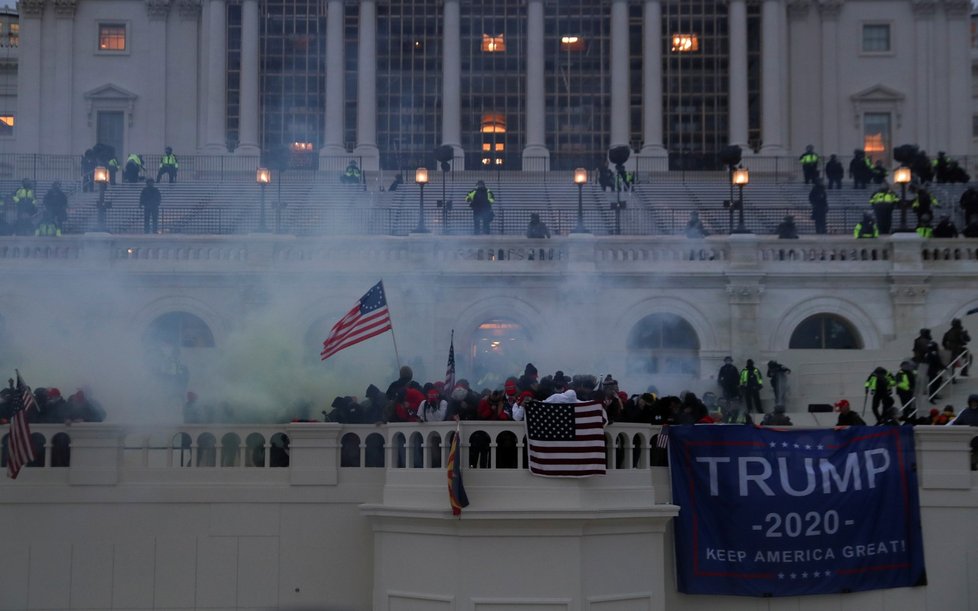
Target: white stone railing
269, 252
315, 453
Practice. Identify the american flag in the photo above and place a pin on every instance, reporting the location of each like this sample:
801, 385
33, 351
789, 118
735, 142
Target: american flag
21, 449
566, 439
662, 440
368, 318
450, 370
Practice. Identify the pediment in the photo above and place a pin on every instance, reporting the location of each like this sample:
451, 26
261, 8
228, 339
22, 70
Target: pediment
878, 93
110, 92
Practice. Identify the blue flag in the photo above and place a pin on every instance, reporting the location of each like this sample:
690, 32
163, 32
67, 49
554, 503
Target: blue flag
768, 512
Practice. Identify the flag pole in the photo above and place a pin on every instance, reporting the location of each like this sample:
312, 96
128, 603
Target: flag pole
397, 357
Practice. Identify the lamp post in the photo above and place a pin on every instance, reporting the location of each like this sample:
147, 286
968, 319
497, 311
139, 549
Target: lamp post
421, 178
740, 177
263, 176
101, 176
580, 179
902, 177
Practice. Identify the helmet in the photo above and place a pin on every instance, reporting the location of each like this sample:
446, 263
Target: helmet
842, 403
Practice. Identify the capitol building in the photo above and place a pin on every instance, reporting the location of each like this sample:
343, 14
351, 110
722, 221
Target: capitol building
265, 241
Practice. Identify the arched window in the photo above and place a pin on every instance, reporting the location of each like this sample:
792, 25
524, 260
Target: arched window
825, 332
499, 347
180, 329
663, 343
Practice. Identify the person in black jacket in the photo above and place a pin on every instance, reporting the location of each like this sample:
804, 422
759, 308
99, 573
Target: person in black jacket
56, 204
729, 379
150, 200
834, 172
820, 203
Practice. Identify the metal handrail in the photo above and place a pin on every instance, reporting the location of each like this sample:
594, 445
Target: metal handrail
947, 380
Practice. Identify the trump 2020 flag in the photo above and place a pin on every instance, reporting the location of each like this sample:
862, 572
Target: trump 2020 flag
368, 318
456, 491
566, 439
767, 512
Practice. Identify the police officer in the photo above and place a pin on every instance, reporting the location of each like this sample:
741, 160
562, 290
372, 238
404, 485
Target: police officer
25, 203
168, 166
866, 228
481, 200
883, 202
352, 174
751, 382
923, 206
134, 167
880, 383
809, 164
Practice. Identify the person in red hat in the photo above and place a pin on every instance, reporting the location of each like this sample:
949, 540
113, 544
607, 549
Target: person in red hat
847, 417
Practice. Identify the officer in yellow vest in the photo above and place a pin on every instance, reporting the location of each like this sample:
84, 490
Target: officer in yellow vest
866, 228
809, 164
168, 166
883, 202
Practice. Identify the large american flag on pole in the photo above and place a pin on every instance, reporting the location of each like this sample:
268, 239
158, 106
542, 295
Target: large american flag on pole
368, 318
20, 447
450, 369
566, 439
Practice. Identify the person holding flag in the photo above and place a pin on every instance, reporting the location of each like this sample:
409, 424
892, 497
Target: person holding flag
20, 445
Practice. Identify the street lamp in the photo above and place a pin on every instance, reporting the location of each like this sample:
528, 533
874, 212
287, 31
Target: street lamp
263, 176
740, 177
421, 178
902, 177
101, 176
580, 179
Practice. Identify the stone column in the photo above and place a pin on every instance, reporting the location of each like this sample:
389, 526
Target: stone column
451, 98
248, 115
620, 114
335, 91
738, 121
58, 110
535, 155
771, 55
922, 90
216, 142
652, 80
29, 77
830, 78
367, 88
959, 69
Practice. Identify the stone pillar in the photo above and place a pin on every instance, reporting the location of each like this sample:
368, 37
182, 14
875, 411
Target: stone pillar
96, 452
367, 88
922, 90
535, 155
451, 98
959, 76
313, 452
29, 77
216, 89
830, 78
248, 116
738, 121
652, 80
58, 110
620, 115
335, 90
771, 56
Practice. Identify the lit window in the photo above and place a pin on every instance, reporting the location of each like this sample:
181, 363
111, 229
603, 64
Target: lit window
15, 28
302, 147
876, 38
493, 123
486, 147
685, 43
111, 37
500, 147
486, 161
493, 44
6, 125
571, 42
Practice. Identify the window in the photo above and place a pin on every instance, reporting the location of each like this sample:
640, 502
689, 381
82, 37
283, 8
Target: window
112, 37
876, 38
825, 332
493, 44
180, 329
876, 136
685, 43
572, 42
663, 343
6, 124
493, 123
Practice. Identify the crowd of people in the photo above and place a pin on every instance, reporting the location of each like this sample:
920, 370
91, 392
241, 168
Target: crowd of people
878, 220
52, 407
